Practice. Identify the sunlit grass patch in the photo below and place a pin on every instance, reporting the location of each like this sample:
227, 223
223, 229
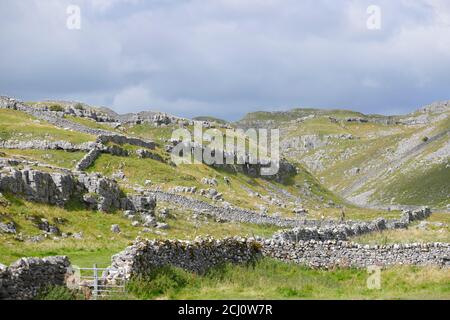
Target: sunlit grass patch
271, 279
59, 158
21, 126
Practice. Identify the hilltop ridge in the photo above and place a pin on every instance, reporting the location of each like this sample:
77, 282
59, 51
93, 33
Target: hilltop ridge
371, 160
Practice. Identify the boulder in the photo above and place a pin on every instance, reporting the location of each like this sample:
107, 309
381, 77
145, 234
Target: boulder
300, 210
163, 213
160, 225
208, 181
78, 235
115, 228
149, 221
8, 228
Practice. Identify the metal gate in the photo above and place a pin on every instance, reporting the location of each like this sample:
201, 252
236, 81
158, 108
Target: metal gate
93, 283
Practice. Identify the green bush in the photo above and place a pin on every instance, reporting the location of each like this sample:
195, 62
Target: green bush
425, 139
79, 106
56, 108
56, 293
159, 281
5, 134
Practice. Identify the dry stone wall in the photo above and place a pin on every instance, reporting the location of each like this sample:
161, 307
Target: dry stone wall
119, 139
88, 159
25, 278
343, 231
302, 229
196, 256
202, 254
332, 253
47, 145
224, 213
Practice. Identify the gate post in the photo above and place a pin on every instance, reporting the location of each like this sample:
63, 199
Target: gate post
95, 282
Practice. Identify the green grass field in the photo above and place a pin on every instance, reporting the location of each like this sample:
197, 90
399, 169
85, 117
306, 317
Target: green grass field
437, 231
99, 243
271, 279
57, 158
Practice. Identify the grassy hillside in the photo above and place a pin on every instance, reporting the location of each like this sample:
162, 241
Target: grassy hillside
23, 127
98, 243
57, 158
381, 161
281, 116
209, 118
424, 186
396, 163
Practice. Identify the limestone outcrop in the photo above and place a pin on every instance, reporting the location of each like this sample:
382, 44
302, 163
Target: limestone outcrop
53, 188
57, 188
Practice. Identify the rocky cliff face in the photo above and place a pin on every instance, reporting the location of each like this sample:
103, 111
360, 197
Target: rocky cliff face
57, 188
51, 188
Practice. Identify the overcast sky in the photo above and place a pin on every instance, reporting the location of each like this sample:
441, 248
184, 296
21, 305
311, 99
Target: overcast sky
227, 57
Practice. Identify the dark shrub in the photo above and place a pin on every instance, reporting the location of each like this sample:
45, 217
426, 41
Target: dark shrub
159, 281
56, 293
56, 108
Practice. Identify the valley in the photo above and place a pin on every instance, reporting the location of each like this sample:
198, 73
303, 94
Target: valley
86, 183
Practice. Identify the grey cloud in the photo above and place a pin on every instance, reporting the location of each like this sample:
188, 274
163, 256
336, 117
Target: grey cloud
228, 57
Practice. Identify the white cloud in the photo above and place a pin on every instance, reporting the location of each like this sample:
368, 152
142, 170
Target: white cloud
133, 97
104, 5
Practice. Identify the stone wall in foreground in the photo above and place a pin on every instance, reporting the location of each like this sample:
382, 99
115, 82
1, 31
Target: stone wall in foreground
26, 277
200, 255
196, 256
